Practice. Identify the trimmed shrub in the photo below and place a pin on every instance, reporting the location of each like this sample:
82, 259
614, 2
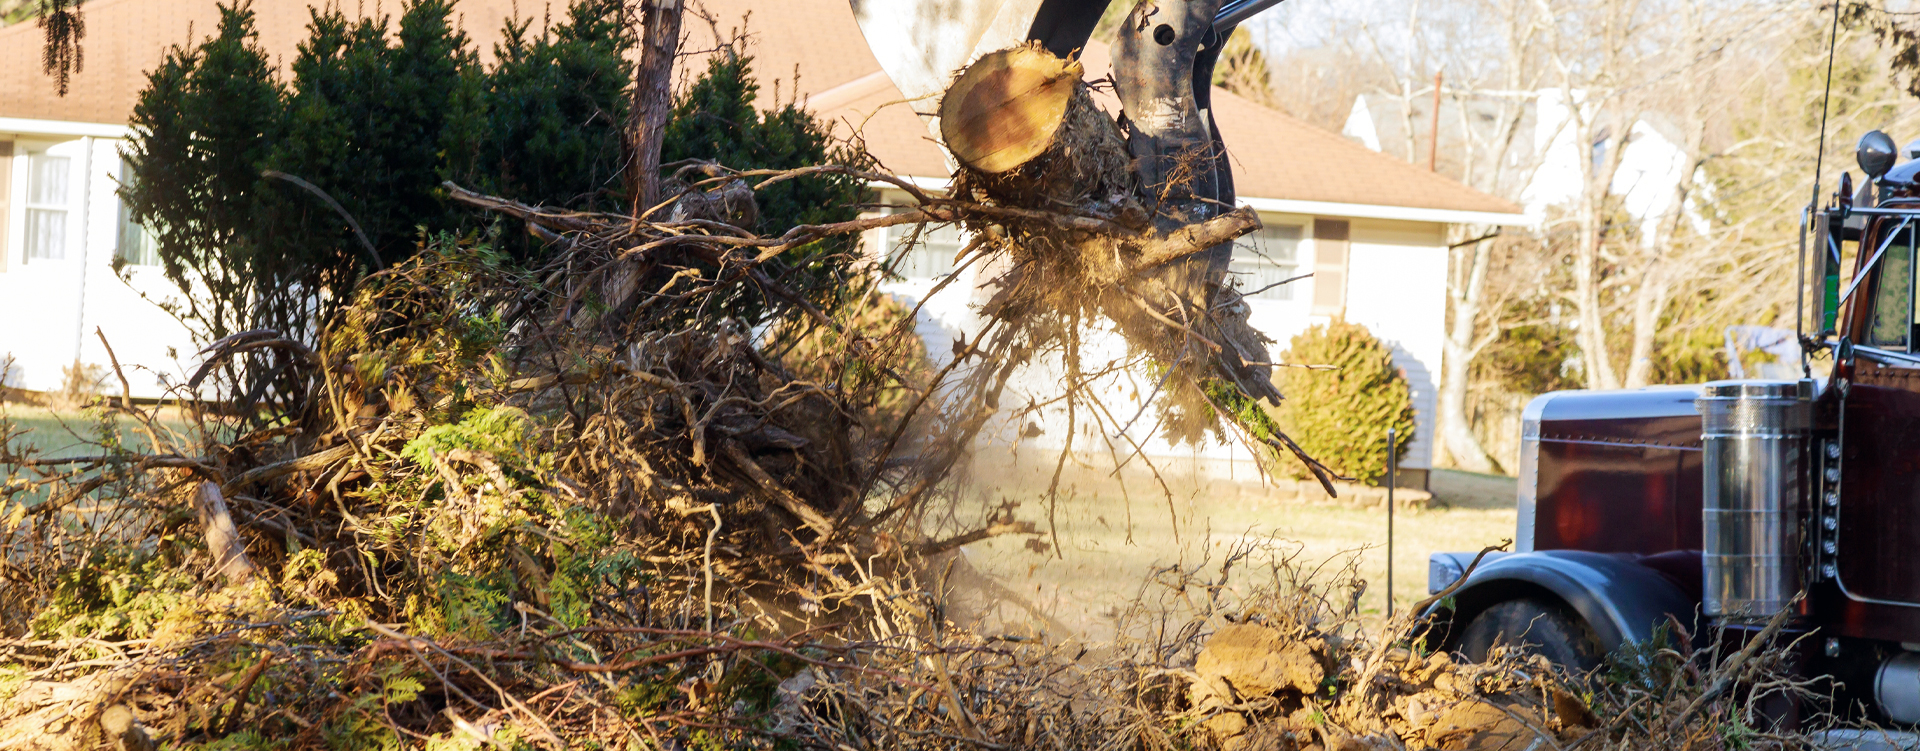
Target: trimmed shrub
1341, 416
377, 112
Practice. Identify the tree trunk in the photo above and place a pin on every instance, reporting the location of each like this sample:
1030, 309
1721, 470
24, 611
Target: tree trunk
1665, 271
652, 98
1587, 301
1592, 332
1456, 431
1649, 304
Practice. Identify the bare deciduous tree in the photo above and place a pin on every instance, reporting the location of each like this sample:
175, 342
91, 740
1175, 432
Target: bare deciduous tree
652, 96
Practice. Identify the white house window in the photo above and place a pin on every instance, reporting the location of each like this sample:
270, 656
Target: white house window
931, 257
48, 179
134, 244
1264, 259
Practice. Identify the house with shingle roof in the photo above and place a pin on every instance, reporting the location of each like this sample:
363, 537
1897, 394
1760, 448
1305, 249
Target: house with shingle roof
1371, 229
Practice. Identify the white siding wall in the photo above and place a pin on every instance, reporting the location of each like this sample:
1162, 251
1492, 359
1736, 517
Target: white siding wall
50, 308
1395, 287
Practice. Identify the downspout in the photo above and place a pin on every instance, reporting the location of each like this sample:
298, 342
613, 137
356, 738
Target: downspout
86, 202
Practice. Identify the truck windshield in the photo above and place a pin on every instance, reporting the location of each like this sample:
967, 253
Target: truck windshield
1894, 312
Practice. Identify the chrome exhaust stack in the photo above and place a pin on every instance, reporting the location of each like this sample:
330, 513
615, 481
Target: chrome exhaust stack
1755, 436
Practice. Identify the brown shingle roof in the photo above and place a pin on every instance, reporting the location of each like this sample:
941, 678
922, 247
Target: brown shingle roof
1274, 156
127, 38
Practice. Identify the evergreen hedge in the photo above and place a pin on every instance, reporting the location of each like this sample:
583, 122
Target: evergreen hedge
377, 115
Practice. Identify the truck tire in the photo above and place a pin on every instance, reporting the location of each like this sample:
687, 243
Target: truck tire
1537, 627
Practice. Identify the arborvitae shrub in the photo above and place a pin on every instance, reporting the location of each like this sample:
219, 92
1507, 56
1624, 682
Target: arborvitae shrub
1341, 416
555, 106
717, 119
377, 112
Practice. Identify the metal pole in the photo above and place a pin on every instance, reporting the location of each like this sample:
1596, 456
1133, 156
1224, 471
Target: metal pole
1391, 462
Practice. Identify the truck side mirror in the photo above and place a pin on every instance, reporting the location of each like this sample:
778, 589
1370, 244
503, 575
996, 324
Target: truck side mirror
1876, 153
1825, 279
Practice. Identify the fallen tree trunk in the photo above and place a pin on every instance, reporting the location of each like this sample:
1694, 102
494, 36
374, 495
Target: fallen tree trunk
1027, 135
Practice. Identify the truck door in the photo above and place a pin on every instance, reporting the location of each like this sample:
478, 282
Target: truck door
1879, 512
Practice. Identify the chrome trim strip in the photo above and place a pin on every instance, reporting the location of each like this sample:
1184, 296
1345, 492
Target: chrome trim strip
1884, 211
1859, 598
1623, 444
1878, 354
1527, 489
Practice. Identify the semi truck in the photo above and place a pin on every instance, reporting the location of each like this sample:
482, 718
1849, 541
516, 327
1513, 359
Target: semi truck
1676, 512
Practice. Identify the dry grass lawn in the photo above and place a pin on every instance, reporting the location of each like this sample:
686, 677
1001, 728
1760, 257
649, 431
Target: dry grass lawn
1114, 535
73, 433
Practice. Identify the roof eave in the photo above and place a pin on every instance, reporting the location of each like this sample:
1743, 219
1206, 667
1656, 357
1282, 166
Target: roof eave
31, 127
1316, 208
1403, 213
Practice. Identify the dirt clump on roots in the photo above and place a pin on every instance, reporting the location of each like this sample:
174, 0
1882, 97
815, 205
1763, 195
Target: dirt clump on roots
1290, 667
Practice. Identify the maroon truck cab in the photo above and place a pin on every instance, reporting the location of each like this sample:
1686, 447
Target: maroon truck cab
1670, 510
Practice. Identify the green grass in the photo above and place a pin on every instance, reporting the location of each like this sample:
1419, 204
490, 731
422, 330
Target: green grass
47, 434
56, 434
1114, 534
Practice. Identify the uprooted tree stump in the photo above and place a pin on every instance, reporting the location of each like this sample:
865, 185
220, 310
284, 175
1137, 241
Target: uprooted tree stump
1026, 133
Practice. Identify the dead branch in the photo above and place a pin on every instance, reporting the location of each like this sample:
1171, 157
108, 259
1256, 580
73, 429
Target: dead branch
223, 538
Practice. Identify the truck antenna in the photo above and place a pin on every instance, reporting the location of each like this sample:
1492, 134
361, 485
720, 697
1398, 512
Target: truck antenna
1813, 203
1826, 97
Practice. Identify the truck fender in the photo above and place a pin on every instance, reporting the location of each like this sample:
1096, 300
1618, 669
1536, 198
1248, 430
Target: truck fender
1620, 599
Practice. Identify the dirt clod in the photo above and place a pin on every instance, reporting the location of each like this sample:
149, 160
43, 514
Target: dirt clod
1480, 726
1226, 725
1259, 661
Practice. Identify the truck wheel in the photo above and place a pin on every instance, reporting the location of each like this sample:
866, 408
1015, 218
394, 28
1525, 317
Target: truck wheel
1537, 627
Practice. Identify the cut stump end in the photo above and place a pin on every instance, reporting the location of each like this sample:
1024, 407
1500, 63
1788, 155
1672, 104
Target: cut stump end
1005, 109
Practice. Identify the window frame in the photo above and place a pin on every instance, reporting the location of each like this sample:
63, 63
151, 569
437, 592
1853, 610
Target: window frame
148, 254
1246, 254
28, 169
894, 249
1896, 246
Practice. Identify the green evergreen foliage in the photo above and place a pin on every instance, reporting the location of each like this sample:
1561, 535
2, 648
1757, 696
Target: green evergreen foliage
716, 120
1341, 416
378, 114
368, 122
554, 108
207, 121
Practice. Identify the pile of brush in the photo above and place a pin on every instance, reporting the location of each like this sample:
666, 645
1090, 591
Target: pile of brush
665, 489
587, 500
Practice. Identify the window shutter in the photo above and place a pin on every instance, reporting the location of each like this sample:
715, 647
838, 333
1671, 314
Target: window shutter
1330, 267
6, 181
